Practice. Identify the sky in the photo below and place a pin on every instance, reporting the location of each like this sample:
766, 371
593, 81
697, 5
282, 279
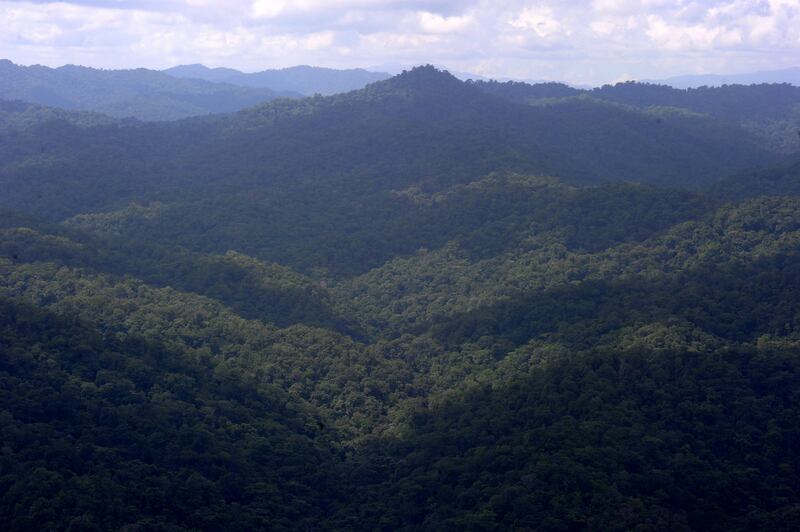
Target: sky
581, 41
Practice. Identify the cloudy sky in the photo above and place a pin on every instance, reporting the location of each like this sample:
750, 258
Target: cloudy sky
582, 41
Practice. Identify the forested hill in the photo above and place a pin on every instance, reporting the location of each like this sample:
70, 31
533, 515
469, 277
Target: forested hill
422, 128
732, 102
770, 111
415, 306
140, 93
550, 381
16, 116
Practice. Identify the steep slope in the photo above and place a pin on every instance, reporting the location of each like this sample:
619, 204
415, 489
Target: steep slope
141, 93
303, 79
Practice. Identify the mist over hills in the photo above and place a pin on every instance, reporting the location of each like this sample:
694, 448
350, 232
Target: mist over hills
425, 304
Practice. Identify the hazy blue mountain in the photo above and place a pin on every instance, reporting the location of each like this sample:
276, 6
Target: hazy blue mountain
140, 93
302, 79
786, 75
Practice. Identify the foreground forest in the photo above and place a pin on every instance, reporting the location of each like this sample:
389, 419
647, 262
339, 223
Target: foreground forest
424, 305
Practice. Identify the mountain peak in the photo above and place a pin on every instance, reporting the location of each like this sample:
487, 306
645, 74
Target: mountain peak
426, 78
427, 73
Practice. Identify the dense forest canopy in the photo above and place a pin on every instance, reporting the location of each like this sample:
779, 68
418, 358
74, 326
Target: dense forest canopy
423, 305
769, 111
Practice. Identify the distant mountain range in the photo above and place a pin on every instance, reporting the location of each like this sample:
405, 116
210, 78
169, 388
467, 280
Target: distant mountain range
140, 93
787, 75
422, 128
196, 90
305, 80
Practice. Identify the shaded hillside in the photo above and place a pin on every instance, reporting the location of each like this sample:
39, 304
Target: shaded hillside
648, 384
415, 306
254, 289
346, 235
658, 439
781, 180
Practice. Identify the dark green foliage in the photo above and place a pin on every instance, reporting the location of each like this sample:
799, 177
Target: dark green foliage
728, 301
362, 313
101, 434
348, 235
597, 403
776, 181
639, 440
254, 289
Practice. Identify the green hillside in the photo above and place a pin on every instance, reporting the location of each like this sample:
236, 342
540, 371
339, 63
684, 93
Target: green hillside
417, 306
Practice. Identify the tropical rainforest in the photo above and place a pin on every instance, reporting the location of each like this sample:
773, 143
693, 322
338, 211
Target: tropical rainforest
426, 304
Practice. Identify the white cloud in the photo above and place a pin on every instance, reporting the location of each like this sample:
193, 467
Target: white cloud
581, 40
539, 19
433, 23
603, 27
267, 8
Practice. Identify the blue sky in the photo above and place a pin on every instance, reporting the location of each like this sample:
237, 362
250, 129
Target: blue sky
583, 41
